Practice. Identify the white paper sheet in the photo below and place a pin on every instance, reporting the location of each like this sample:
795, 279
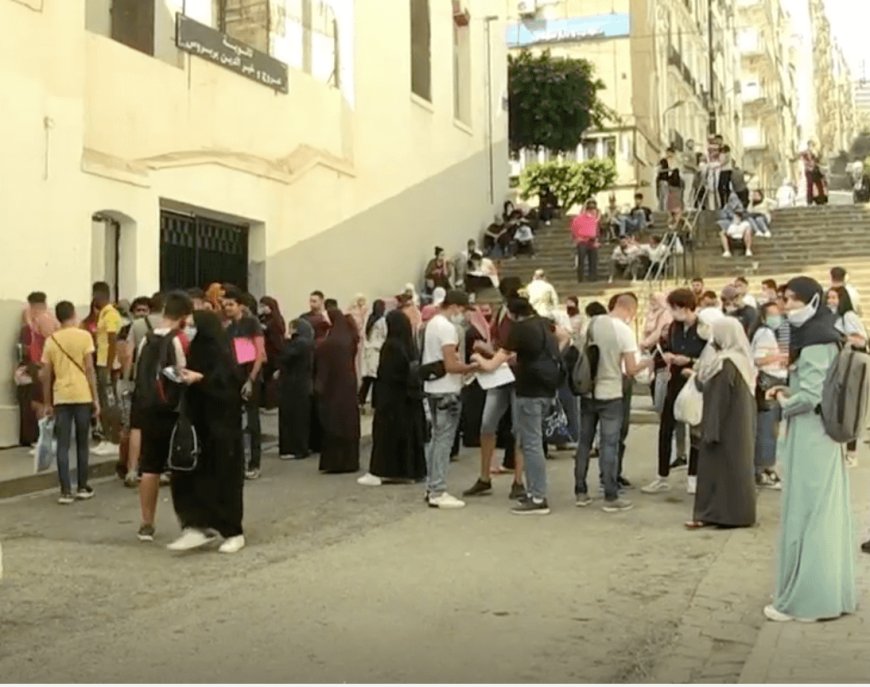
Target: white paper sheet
499, 377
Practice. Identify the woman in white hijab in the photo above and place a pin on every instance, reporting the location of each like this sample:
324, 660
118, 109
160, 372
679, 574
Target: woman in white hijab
726, 493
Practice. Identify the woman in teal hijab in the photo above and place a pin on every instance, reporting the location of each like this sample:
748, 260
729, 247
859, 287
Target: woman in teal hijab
816, 567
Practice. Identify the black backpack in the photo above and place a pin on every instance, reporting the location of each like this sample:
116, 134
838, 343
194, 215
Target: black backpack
154, 390
549, 367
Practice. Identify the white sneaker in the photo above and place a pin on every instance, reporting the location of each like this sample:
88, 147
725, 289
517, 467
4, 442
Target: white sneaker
726, 254
445, 501
691, 485
105, 448
370, 480
657, 486
748, 253
851, 460
772, 614
233, 544
190, 539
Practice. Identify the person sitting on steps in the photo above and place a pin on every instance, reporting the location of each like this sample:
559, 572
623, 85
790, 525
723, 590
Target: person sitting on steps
737, 235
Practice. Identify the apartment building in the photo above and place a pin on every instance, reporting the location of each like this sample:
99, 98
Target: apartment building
284, 145
662, 78
768, 92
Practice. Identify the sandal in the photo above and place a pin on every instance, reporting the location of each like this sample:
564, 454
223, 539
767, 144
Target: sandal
696, 525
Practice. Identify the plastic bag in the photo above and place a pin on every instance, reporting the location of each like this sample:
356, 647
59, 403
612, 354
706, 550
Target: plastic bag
646, 375
689, 404
45, 457
556, 425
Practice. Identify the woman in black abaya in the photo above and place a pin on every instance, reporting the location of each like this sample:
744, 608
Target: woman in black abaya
294, 391
337, 404
209, 498
399, 423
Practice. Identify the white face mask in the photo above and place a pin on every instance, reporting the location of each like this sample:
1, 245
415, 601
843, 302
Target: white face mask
800, 316
458, 319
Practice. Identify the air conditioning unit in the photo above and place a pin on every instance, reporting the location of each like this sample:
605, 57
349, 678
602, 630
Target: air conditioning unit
461, 17
527, 8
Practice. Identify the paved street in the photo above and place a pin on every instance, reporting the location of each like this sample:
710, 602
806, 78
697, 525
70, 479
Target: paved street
343, 583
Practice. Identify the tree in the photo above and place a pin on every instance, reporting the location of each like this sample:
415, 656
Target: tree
552, 101
571, 182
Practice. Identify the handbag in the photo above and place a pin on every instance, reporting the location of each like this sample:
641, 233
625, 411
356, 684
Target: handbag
689, 404
556, 425
184, 447
765, 383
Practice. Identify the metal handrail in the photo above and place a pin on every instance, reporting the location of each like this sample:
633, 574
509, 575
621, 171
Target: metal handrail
657, 270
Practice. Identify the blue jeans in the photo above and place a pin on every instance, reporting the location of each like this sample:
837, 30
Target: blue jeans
67, 415
444, 411
529, 414
607, 415
759, 224
765, 440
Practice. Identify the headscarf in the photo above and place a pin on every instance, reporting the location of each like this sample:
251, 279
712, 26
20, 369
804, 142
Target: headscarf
819, 329
399, 334
276, 328
477, 320
378, 310
412, 292
729, 342
302, 329
438, 296
212, 355
707, 317
213, 295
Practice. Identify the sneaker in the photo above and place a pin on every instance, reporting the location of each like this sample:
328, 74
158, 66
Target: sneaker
776, 616
190, 539
692, 485
252, 474
657, 486
618, 506
370, 480
146, 533
105, 448
865, 547
748, 253
583, 500
518, 491
726, 254
233, 544
624, 483
594, 452
131, 480
287, 456
530, 506
165, 479
66, 499
680, 463
851, 460
480, 488
85, 493
444, 501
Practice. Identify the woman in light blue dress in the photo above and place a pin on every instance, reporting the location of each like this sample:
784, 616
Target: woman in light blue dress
816, 567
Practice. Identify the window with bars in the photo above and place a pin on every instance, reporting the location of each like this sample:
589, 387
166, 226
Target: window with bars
248, 21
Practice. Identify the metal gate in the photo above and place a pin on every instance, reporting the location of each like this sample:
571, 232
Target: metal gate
196, 251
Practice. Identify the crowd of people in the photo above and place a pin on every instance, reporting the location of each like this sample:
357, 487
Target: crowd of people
176, 384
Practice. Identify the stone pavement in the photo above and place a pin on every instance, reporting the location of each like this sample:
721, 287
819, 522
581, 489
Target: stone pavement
343, 583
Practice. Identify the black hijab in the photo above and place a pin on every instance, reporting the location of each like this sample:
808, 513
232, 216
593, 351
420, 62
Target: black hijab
819, 329
399, 334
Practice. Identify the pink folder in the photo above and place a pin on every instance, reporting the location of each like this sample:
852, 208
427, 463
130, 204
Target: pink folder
246, 351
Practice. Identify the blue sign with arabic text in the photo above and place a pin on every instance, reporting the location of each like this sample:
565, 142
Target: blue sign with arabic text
535, 31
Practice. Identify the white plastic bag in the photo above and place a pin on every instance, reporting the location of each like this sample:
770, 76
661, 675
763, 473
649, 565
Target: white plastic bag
689, 404
646, 375
46, 448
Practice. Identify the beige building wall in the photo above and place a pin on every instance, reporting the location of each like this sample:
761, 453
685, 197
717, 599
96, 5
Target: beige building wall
345, 189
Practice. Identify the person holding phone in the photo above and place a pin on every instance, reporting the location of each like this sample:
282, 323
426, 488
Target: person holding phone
249, 346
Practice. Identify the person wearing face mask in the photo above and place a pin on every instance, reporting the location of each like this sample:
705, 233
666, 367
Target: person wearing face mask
816, 568
772, 371
726, 494
681, 347
442, 369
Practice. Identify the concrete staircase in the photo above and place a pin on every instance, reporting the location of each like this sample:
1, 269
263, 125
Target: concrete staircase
805, 241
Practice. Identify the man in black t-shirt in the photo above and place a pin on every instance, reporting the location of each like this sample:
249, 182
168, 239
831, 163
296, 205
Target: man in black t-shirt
246, 335
538, 374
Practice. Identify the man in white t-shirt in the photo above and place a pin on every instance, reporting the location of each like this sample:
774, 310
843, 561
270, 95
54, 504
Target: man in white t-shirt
443, 366
617, 358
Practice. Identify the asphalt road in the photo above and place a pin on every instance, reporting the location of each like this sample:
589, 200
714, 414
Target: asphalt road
346, 583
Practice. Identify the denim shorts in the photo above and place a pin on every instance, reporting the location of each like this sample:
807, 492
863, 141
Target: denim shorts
498, 401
